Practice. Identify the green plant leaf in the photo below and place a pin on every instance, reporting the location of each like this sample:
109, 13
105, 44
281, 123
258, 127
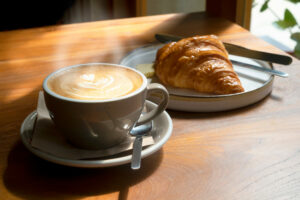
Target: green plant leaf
294, 1
297, 50
264, 6
281, 24
296, 36
288, 20
289, 17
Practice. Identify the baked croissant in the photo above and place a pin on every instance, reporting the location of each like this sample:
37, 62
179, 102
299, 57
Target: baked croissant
200, 63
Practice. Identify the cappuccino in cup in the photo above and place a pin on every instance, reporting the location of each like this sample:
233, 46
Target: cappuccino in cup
95, 82
95, 105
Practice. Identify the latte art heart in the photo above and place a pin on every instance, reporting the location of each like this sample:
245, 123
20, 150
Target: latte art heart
95, 82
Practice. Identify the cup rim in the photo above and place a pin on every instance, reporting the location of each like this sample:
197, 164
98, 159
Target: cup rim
140, 89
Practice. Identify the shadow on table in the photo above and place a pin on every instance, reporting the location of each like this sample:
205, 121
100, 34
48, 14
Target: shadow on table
28, 176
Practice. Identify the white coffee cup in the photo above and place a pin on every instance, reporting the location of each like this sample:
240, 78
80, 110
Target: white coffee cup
92, 123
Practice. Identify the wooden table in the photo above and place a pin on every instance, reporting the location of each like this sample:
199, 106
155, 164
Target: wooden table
248, 153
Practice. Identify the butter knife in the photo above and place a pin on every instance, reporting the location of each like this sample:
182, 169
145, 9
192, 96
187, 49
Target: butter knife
238, 51
262, 69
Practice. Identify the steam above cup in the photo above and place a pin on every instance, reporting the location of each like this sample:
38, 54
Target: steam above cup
95, 105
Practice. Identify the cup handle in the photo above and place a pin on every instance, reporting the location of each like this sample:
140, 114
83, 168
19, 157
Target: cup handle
151, 88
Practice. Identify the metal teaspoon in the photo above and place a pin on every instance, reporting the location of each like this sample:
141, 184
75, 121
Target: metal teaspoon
138, 132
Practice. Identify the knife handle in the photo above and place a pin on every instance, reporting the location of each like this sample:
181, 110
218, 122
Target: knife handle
259, 55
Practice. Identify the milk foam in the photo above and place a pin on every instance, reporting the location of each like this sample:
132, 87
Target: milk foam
95, 82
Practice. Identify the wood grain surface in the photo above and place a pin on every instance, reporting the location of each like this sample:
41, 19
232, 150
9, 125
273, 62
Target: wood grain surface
247, 153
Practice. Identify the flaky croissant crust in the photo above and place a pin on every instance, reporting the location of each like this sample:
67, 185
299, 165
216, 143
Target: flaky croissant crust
200, 63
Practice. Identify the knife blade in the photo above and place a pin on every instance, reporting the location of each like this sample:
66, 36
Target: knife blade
237, 50
262, 69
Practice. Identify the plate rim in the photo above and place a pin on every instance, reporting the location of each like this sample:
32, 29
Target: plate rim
208, 103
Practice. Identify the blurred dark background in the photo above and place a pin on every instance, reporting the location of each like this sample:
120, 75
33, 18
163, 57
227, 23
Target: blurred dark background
33, 13
26, 14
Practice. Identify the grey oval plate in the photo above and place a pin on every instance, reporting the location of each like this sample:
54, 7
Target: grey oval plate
161, 132
257, 85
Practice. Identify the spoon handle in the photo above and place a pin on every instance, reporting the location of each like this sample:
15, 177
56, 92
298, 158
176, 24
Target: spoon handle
136, 155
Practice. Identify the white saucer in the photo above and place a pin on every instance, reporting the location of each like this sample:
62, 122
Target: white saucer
257, 85
161, 132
